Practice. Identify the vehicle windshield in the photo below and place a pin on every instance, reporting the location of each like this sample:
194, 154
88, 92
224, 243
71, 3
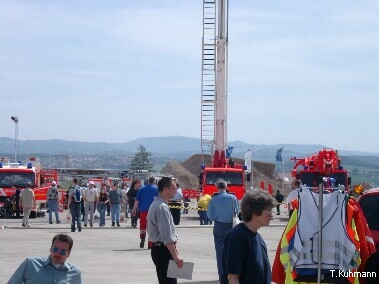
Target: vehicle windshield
311, 179
370, 209
231, 178
12, 179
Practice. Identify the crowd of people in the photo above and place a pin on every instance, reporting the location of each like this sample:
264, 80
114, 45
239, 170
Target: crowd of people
151, 203
158, 207
241, 252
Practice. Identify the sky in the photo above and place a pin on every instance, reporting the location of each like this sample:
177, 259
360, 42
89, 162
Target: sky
299, 72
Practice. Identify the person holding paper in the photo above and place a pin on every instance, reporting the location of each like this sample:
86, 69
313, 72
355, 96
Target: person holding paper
245, 259
161, 231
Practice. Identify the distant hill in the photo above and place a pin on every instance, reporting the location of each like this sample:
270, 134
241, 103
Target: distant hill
180, 148
159, 145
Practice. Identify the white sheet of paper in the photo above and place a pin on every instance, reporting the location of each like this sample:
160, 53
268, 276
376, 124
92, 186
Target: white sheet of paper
185, 272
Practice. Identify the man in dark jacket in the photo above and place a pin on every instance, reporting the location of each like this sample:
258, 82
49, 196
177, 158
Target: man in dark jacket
279, 199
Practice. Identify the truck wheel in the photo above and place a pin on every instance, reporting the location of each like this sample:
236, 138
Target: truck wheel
6, 216
33, 214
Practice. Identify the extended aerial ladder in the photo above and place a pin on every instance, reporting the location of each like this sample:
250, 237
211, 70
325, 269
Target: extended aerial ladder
214, 102
214, 80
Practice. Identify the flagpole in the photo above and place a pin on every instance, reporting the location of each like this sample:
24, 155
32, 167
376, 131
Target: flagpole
282, 174
251, 174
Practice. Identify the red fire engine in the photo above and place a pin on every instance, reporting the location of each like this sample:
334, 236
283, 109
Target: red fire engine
325, 163
214, 102
15, 175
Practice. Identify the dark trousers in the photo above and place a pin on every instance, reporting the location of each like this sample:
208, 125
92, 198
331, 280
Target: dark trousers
161, 256
75, 209
278, 208
175, 212
135, 217
203, 217
82, 209
17, 204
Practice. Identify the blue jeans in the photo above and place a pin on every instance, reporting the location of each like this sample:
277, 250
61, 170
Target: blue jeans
102, 207
53, 206
115, 212
203, 217
219, 233
75, 209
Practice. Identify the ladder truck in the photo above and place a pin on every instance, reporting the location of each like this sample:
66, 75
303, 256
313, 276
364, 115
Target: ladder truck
214, 103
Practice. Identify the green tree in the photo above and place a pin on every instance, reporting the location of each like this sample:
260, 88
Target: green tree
141, 161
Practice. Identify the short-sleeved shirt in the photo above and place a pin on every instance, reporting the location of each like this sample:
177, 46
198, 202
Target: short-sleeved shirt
27, 195
293, 195
178, 195
52, 193
90, 194
223, 207
40, 270
145, 196
160, 225
245, 253
115, 196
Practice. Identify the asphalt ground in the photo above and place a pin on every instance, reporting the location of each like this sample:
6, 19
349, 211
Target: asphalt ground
112, 255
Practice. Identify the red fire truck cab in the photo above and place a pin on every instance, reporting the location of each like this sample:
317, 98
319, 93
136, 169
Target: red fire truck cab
15, 175
234, 177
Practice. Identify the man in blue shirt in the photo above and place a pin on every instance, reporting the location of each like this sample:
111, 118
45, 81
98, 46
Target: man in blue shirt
144, 198
221, 209
51, 269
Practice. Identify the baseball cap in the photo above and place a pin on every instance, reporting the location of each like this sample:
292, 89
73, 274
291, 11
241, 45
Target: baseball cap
53, 182
91, 182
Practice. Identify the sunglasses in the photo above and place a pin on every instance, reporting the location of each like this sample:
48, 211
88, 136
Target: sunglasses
61, 251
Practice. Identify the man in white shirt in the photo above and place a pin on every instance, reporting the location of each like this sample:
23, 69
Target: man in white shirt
90, 195
27, 201
176, 203
293, 195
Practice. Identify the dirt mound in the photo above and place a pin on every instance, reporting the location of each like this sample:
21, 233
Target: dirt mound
185, 179
187, 172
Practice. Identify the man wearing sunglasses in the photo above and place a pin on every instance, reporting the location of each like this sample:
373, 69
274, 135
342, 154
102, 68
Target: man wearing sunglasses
51, 269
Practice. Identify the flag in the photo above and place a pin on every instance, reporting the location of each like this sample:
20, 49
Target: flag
248, 160
279, 155
229, 151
